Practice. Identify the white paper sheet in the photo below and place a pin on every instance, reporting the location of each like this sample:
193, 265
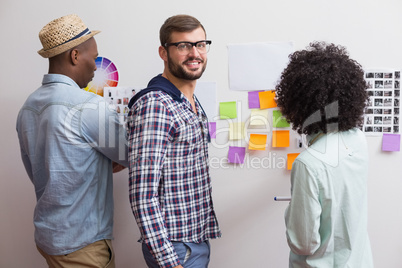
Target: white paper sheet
257, 66
206, 94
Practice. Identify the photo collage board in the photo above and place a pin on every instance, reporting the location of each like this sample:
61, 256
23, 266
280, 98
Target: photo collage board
382, 110
119, 97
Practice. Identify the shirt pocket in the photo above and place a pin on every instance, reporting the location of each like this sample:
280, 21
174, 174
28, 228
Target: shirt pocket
187, 139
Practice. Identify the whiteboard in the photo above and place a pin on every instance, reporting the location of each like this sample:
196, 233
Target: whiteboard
251, 221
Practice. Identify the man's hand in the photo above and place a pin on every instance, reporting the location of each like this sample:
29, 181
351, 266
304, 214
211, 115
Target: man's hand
117, 167
178, 266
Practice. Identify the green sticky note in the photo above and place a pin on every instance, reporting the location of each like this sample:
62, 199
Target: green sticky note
278, 120
228, 110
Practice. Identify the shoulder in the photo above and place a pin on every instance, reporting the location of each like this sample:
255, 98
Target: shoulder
356, 136
312, 157
93, 107
305, 162
329, 150
154, 98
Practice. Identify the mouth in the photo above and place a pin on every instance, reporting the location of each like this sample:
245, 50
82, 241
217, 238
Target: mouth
193, 63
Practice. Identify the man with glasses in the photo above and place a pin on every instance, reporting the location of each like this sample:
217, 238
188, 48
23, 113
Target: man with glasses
170, 185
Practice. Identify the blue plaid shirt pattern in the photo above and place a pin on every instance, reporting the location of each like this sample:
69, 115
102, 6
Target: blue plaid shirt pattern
170, 185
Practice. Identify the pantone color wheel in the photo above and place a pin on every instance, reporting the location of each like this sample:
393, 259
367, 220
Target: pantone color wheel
106, 75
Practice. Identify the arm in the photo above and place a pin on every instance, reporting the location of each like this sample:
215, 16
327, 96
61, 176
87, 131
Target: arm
150, 128
103, 131
302, 216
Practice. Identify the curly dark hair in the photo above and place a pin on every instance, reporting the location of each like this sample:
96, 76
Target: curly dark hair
321, 86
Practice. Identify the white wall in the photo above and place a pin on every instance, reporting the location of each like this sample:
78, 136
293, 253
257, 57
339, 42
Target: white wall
252, 223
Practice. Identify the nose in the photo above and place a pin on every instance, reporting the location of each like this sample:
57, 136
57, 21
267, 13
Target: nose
194, 51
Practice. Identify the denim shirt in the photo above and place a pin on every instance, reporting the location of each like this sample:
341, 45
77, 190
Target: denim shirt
68, 139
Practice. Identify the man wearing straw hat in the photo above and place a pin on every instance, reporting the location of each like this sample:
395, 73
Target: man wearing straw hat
70, 140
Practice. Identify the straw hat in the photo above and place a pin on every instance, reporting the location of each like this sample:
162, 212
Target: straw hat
63, 34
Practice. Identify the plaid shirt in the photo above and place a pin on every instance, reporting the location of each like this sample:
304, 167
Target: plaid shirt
170, 186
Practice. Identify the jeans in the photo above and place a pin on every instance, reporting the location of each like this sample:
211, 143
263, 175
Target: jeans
198, 254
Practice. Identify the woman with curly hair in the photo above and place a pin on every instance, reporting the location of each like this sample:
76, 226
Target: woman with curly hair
322, 92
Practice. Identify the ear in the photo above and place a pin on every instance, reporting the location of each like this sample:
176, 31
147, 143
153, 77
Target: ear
163, 53
74, 56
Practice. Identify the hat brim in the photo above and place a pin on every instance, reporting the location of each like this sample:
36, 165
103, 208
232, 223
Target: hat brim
64, 47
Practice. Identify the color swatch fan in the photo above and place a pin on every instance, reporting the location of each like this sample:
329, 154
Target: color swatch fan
106, 75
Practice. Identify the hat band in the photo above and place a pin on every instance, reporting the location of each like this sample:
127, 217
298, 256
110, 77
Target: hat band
84, 32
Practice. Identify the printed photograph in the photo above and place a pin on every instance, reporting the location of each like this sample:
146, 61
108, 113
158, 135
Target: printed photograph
384, 102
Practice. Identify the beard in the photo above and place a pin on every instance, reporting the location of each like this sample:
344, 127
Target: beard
178, 71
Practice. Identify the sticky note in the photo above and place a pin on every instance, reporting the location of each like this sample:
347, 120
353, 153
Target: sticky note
228, 110
212, 129
236, 131
391, 142
267, 99
291, 159
257, 142
258, 117
236, 154
253, 100
278, 120
280, 138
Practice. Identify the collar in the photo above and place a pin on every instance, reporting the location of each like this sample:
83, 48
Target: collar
313, 138
158, 83
58, 78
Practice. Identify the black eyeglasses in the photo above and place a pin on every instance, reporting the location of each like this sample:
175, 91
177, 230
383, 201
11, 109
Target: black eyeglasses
184, 48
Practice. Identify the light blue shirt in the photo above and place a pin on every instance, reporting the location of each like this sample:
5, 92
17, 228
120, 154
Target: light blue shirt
69, 138
326, 220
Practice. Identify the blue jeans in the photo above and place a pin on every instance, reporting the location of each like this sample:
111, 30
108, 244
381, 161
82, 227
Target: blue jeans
198, 254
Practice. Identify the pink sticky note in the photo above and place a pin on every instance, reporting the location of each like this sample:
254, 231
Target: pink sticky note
391, 142
236, 154
253, 99
212, 129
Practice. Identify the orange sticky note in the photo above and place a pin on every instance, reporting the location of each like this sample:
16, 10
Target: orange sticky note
291, 159
267, 99
280, 138
257, 142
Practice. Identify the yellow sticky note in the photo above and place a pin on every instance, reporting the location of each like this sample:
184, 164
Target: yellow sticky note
228, 109
291, 159
267, 99
258, 117
257, 142
280, 138
236, 131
